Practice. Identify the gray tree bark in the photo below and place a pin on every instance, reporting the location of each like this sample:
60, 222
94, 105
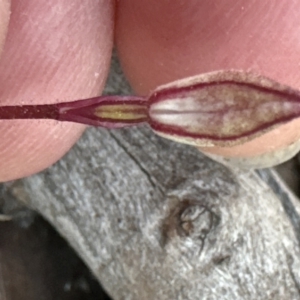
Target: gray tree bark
158, 220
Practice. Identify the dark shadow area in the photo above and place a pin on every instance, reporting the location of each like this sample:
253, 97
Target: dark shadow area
37, 264
290, 173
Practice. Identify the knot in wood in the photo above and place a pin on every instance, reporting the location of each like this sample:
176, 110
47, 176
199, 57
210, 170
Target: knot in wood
196, 221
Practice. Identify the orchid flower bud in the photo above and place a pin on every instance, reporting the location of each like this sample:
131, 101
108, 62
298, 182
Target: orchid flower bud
224, 109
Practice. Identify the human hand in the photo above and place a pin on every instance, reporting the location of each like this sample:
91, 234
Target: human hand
55, 51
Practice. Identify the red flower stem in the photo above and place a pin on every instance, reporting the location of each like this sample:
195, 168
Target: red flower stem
105, 111
46, 111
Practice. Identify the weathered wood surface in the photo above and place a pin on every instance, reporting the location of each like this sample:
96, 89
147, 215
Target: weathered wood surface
158, 220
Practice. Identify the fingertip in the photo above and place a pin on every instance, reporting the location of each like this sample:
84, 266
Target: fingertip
55, 51
159, 42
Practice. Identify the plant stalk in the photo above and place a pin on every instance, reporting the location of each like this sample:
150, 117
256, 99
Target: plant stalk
105, 111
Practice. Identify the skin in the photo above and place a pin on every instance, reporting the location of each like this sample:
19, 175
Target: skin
55, 51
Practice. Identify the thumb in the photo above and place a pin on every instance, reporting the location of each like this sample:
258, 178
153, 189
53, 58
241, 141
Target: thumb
160, 41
